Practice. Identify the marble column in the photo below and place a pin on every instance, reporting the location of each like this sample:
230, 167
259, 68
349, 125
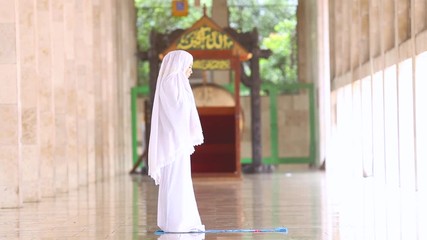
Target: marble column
46, 103
66, 71
97, 122
29, 100
70, 31
90, 100
10, 127
220, 12
220, 15
81, 68
60, 95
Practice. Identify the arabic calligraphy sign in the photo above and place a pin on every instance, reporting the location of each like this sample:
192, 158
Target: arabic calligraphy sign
211, 64
205, 38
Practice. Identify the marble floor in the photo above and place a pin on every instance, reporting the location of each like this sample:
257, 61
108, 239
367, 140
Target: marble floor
310, 203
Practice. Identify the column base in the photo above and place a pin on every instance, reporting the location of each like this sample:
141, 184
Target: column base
258, 168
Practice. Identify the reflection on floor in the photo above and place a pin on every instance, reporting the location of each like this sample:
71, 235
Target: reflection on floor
311, 204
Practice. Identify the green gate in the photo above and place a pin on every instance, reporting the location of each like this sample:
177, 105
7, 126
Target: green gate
274, 123
273, 93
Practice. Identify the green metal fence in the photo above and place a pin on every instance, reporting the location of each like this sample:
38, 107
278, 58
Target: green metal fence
273, 93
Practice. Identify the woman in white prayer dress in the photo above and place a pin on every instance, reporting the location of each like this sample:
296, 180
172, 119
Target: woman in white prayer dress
175, 130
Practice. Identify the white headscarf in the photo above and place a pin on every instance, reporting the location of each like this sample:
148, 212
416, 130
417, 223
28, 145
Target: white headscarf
175, 122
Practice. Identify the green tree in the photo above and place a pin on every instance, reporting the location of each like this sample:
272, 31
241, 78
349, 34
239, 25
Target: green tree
157, 16
281, 68
275, 21
276, 25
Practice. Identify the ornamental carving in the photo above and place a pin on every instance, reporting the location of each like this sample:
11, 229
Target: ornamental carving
205, 38
211, 64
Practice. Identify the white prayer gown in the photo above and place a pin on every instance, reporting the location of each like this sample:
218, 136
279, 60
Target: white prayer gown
175, 130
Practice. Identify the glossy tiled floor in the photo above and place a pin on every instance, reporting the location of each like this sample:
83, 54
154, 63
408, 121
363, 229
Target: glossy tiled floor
311, 204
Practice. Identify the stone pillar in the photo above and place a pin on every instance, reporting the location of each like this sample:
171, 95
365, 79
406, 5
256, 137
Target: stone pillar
111, 88
125, 66
106, 81
97, 88
220, 12
313, 62
130, 69
59, 92
82, 64
66, 71
46, 103
10, 127
220, 16
89, 62
323, 84
28, 99
70, 30
307, 34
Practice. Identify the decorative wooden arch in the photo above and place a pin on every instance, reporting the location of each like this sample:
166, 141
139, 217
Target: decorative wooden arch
206, 40
214, 49
237, 48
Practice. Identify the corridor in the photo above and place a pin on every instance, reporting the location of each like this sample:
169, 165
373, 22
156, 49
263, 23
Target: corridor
310, 203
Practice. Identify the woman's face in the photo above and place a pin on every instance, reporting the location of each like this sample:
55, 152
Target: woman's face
189, 71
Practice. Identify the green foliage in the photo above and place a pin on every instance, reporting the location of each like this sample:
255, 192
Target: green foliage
281, 67
275, 21
276, 26
157, 15
263, 14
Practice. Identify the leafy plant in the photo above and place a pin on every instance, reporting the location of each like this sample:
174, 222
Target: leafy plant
157, 16
275, 21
